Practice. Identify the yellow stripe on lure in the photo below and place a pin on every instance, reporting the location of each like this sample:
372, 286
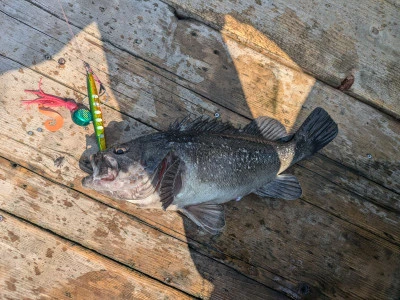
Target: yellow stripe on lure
95, 109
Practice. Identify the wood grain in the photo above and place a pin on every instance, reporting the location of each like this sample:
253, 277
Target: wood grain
352, 181
114, 234
49, 146
38, 265
317, 190
271, 88
329, 41
157, 67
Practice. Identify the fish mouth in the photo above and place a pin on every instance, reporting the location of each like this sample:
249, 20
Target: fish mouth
104, 169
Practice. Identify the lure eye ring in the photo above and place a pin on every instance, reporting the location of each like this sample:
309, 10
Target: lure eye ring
120, 150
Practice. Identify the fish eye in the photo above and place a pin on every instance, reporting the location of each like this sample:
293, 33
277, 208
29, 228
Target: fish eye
120, 150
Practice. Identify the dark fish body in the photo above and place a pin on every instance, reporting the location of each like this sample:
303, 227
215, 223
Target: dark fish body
196, 166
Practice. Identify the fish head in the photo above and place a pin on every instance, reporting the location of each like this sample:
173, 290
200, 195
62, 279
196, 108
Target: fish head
125, 172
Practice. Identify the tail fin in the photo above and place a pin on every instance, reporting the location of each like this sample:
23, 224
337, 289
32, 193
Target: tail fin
316, 132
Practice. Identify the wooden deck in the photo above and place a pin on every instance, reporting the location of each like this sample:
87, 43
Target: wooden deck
162, 60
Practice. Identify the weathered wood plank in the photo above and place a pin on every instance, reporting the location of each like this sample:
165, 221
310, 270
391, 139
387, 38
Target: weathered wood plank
39, 265
75, 134
155, 120
352, 181
253, 265
329, 41
115, 234
298, 242
136, 87
270, 89
161, 220
48, 147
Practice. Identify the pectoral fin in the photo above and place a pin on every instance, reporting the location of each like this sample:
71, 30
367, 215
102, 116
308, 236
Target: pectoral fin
285, 187
210, 217
171, 181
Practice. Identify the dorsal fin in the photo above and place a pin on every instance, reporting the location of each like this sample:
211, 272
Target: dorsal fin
270, 129
203, 124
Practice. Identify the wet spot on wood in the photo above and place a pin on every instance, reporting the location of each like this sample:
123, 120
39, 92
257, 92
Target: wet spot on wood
67, 203
34, 206
11, 285
118, 287
13, 237
37, 291
346, 83
37, 271
59, 161
49, 253
100, 233
388, 253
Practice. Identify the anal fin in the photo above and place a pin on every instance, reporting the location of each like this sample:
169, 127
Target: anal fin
211, 217
285, 187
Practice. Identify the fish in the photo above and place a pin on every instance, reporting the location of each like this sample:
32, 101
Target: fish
196, 166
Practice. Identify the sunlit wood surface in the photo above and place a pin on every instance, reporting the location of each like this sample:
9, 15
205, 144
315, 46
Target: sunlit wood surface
163, 60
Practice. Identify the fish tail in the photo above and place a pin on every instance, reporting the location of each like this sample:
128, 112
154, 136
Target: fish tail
316, 132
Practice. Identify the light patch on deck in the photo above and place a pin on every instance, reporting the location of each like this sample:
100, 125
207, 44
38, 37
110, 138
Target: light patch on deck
271, 89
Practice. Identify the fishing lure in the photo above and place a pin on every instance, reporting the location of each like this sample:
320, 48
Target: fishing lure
95, 108
79, 113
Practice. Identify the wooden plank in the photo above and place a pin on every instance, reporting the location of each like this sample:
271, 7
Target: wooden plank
72, 142
345, 249
352, 181
280, 91
117, 235
124, 103
333, 257
20, 149
72, 70
39, 265
329, 41
47, 148
135, 87
250, 264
